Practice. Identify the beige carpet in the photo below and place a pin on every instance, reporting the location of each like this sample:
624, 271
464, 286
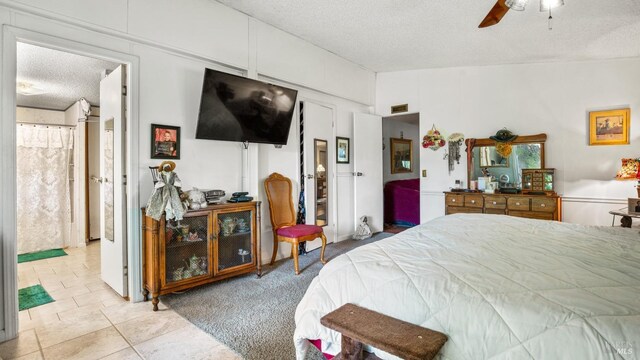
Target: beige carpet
255, 317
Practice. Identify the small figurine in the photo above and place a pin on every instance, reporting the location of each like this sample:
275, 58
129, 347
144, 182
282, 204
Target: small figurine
197, 200
166, 194
363, 231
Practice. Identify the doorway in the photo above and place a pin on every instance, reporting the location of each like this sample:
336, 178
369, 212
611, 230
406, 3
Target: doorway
8, 180
401, 164
58, 126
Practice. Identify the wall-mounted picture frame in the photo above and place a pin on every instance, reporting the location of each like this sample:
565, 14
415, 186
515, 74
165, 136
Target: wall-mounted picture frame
609, 127
165, 142
634, 206
401, 156
342, 150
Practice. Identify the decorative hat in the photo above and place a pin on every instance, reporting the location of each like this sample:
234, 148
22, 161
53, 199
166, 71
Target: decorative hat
166, 163
455, 137
504, 135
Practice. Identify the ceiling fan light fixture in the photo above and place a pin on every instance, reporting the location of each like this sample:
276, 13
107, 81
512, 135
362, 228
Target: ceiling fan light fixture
546, 5
517, 5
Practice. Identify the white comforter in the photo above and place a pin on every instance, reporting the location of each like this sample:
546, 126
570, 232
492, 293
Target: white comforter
500, 287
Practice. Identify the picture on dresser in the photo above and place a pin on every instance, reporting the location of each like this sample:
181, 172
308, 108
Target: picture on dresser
610, 127
634, 206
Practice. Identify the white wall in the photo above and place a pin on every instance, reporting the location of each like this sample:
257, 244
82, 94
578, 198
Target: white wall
551, 98
174, 42
393, 127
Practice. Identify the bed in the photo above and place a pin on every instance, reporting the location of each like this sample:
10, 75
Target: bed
499, 287
402, 202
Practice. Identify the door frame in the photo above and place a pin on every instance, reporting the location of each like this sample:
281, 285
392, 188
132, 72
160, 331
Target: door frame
8, 227
334, 183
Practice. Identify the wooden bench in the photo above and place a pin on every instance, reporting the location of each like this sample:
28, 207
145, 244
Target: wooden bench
360, 326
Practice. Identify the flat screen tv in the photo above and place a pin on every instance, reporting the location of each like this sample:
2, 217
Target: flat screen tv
234, 108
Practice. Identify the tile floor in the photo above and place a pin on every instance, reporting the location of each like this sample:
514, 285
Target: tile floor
88, 320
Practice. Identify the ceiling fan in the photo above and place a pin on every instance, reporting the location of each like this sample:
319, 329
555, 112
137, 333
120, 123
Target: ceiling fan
501, 8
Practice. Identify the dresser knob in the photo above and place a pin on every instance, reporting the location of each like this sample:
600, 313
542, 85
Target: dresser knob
473, 201
453, 200
517, 204
542, 205
495, 203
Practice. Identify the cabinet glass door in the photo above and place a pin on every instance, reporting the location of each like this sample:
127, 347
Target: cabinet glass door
187, 248
234, 246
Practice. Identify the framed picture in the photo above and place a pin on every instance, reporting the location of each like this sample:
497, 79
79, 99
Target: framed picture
165, 142
342, 150
401, 156
634, 206
610, 127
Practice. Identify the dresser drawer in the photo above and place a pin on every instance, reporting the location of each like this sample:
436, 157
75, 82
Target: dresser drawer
454, 200
543, 205
495, 202
532, 215
475, 201
518, 203
463, 210
495, 211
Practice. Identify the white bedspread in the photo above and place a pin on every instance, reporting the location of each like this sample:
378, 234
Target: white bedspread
500, 287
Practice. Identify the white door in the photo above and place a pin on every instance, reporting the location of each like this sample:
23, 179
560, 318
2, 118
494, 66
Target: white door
113, 238
319, 163
367, 165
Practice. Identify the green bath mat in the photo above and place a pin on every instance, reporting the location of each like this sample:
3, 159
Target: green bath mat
33, 296
39, 255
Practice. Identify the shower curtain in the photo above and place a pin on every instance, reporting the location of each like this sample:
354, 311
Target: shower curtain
43, 189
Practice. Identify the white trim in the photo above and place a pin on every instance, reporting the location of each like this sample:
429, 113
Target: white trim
593, 200
67, 21
8, 184
432, 193
8, 187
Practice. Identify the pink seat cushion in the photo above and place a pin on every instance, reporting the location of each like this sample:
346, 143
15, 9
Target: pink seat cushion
299, 230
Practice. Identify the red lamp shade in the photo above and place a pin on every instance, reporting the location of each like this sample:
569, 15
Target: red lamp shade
630, 170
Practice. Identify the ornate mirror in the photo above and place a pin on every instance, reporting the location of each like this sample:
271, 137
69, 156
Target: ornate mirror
483, 160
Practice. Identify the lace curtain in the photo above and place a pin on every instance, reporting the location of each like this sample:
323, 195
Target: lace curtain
43, 189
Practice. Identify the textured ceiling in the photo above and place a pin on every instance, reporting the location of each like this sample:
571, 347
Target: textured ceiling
389, 35
63, 77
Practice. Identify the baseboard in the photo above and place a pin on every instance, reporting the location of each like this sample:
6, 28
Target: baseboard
344, 237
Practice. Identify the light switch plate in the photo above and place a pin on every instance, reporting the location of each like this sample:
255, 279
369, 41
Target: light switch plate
424, 173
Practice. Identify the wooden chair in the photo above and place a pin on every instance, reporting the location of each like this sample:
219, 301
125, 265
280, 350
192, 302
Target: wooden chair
283, 219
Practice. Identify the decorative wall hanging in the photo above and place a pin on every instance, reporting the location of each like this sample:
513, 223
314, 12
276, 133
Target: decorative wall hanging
609, 127
503, 139
165, 142
455, 141
433, 140
342, 150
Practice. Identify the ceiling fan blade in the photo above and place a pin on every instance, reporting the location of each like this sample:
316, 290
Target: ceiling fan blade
495, 15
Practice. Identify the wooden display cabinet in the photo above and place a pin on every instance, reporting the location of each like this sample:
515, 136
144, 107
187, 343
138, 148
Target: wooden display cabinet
207, 245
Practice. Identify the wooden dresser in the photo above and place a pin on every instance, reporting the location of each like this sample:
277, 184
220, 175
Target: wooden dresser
544, 207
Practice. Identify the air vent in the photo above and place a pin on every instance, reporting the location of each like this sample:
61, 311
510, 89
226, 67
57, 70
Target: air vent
395, 109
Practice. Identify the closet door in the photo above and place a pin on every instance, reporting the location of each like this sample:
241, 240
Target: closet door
319, 169
113, 240
367, 165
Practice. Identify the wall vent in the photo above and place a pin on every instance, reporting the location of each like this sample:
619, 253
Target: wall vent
395, 109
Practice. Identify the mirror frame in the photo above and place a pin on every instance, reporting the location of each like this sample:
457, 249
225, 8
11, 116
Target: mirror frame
526, 139
325, 178
393, 143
